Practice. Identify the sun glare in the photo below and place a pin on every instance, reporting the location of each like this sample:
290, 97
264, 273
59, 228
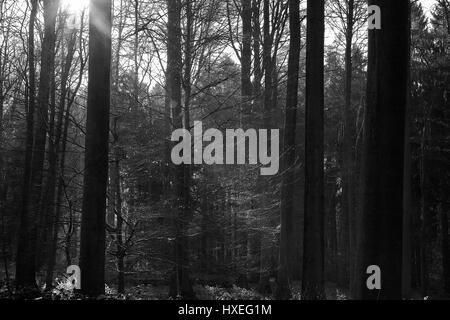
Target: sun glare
74, 6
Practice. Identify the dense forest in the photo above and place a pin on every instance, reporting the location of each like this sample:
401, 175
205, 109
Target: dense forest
91, 92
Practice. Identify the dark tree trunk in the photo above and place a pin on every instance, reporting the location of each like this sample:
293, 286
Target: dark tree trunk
288, 160
313, 254
25, 267
35, 150
407, 216
383, 155
42, 123
92, 253
407, 191
180, 285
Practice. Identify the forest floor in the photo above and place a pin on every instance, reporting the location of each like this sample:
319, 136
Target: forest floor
64, 291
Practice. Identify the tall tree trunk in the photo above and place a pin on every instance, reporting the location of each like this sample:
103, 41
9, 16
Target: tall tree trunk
180, 285
3, 186
267, 123
42, 122
110, 217
92, 254
383, 155
288, 162
313, 254
346, 266
407, 216
407, 188
117, 218
25, 267
35, 145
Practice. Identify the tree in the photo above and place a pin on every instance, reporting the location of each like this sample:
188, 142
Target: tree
383, 154
25, 267
180, 279
54, 150
290, 123
92, 254
313, 254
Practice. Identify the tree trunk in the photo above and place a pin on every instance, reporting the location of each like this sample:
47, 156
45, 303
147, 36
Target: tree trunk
42, 123
288, 162
313, 254
383, 155
92, 254
407, 191
3, 175
35, 150
181, 286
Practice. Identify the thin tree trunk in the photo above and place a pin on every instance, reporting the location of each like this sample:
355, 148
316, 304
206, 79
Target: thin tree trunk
3, 186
